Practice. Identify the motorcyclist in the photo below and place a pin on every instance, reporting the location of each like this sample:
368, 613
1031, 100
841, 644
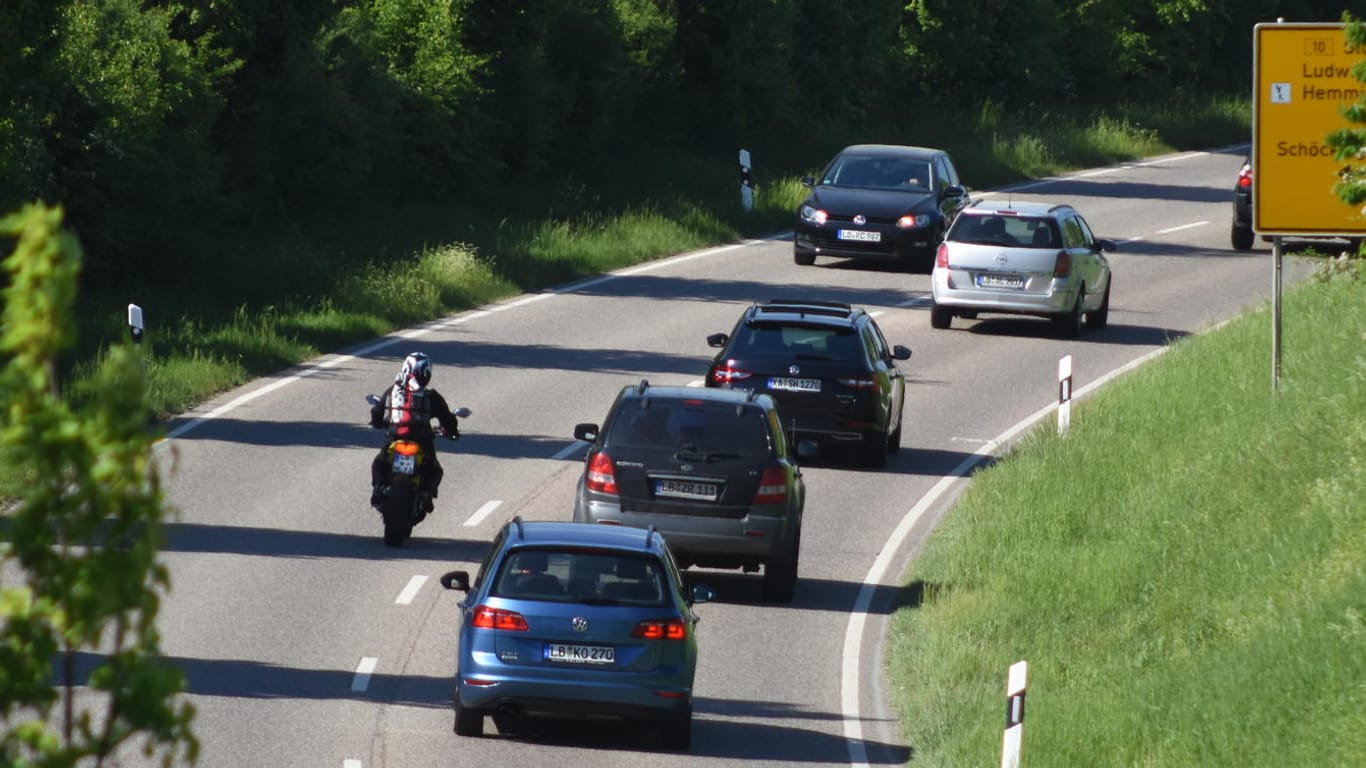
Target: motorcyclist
406, 409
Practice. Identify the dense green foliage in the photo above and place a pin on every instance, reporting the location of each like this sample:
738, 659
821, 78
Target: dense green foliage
1185, 571
1349, 144
84, 534
181, 135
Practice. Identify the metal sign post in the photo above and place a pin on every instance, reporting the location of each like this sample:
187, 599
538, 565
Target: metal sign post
1276, 314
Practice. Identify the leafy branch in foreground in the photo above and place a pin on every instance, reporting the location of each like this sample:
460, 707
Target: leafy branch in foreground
84, 535
1349, 144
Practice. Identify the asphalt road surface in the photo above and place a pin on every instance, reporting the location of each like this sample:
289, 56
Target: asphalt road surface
307, 642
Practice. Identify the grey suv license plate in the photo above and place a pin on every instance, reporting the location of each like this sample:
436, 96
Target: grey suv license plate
683, 489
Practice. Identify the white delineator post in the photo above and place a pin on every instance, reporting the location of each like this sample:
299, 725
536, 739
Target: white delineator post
1015, 701
1064, 394
135, 324
746, 181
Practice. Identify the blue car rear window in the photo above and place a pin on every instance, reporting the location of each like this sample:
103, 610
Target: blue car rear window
584, 576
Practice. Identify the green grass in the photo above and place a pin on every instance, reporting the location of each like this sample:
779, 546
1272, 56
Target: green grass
1185, 572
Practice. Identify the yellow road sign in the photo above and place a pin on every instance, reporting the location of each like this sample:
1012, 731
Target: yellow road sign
1302, 76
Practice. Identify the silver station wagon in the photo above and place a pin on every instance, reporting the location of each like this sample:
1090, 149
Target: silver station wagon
1022, 258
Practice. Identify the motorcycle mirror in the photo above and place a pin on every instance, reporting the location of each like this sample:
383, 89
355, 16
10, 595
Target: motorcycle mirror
462, 412
372, 399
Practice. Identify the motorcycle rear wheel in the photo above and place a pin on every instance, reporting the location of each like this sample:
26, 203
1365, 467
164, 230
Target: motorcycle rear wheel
398, 514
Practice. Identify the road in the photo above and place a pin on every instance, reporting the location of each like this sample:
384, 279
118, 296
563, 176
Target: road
308, 643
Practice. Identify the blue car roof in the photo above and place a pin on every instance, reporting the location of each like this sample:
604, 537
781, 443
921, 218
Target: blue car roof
556, 533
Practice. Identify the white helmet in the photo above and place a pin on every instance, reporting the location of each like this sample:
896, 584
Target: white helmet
417, 367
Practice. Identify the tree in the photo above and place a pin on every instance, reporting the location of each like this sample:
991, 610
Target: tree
1349, 144
84, 534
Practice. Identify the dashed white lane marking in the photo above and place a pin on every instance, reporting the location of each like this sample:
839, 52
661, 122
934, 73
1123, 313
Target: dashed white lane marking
482, 512
409, 592
1192, 225
351, 764
361, 681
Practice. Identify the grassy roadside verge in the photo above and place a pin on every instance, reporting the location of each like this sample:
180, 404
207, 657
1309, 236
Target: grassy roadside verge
1185, 572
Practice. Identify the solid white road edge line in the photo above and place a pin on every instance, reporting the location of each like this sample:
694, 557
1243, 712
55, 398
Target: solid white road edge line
569, 450
436, 325
482, 512
362, 679
409, 592
853, 634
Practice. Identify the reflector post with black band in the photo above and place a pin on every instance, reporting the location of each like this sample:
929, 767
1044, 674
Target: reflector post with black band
1015, 712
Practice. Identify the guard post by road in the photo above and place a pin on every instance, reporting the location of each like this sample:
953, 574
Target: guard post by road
1302, 79
746, 181
1013, 741
1064, 394
135, 324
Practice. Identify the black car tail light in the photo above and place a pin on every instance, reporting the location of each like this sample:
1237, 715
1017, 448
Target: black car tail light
1063, 266
728, 373
772, 487
601, 475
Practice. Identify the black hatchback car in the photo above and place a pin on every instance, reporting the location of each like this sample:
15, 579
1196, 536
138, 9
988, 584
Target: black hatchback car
879, 201
828, 366
709, 469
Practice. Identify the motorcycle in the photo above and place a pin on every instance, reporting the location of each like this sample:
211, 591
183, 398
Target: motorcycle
403, 504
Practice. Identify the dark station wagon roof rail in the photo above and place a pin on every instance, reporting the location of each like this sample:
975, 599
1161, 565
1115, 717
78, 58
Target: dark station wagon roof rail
804, 307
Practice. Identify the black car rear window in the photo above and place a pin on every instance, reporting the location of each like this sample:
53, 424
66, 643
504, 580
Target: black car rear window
700, 425
798, 342
582, 575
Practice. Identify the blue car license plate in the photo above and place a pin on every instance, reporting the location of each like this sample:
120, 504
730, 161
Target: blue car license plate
580, 654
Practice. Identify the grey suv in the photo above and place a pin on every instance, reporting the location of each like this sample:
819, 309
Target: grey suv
710, 469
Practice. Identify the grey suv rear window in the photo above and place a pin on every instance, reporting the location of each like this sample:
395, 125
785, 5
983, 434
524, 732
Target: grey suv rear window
701, 425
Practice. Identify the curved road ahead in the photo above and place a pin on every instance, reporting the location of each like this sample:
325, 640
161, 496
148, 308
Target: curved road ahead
308, 643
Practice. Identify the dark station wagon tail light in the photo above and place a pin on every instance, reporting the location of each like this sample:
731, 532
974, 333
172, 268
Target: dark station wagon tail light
727, 373
860, 383
601, 475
